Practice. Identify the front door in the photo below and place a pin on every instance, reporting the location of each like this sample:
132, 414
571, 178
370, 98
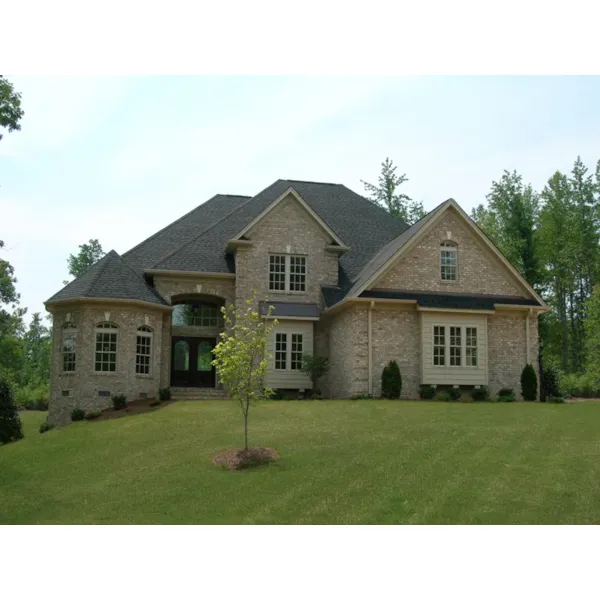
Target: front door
191, 362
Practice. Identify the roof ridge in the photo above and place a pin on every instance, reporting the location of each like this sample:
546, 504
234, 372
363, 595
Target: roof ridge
315, 182
213, 225
187, 214
144, 282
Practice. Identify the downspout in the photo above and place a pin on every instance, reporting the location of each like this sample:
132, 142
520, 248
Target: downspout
370, 336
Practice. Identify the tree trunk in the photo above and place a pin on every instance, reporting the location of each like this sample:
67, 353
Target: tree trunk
246, 430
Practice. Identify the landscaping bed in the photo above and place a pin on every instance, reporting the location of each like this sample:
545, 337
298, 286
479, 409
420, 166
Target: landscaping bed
135, 407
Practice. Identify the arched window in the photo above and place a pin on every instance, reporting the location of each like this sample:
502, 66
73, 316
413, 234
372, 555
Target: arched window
106, 347
69, 347
143, 350
197, 314
448, 261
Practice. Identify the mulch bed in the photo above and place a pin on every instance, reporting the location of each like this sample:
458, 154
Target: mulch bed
135, 407
238, 459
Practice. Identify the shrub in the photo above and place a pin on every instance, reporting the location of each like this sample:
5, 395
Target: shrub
443, 396
506, 397
529, 383
155, 402
455, 394
77, 414
360, 397
277, 395
93, 414
506, 392
11, 429
164, 394
33, 397
466, 398
555, 399
315, 367
391, 380
45, 427
426, 392
481, 394
579, 386
119, 401
549, 384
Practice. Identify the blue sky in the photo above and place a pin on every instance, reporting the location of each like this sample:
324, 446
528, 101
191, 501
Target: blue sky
119, 158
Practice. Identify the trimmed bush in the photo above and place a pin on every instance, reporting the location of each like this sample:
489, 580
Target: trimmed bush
391, 380
94, 414
455, 394
549, 384
443, 396
555, 399
45, 427
77, 414
506, 392
164, 394
155, 402
529, 383
315, 367
119, 401
11, 429
481, 394
360, 397
426, 392
506, 397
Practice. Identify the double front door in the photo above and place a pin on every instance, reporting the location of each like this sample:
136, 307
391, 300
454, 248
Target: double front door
191, 359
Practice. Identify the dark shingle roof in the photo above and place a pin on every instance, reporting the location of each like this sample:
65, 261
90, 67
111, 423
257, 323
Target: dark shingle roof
358, 222
449, 299
111, 277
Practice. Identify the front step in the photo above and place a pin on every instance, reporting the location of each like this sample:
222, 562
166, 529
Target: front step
191, 393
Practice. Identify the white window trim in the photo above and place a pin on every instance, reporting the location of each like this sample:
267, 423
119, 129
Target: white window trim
113, 329
141, 332
451, 247
463, 346
288, 351
287, 273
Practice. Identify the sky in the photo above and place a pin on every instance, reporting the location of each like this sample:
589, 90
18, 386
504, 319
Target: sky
120, 158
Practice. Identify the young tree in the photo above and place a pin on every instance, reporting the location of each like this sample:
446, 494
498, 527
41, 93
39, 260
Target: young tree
10, 107
385, 194
315, 367
89, 254
241, 355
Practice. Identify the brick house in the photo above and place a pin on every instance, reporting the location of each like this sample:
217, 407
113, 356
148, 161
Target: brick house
346, 279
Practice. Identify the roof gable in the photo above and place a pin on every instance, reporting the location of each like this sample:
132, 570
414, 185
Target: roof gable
389, 255
290, 193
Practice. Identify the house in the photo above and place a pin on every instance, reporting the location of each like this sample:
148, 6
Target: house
347, 280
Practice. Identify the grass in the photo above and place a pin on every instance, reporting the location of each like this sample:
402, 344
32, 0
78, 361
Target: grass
365, 461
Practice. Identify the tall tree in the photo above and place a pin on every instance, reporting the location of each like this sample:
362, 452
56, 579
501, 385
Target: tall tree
509, 220
386, 195
37, 351
88, 254
10, 107
592, 330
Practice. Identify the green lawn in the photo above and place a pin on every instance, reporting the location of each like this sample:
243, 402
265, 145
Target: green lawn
365, 461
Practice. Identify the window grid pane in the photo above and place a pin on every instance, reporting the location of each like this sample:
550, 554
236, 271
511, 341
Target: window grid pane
297, 273
455, 347
69, 349
471, 346
277, 272
448, 264
439, 346
106, 351
296, 354
143, 352
280, 350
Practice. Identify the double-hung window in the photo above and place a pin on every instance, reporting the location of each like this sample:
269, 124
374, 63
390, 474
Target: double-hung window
69, 347
143, 350
287, 273
288, 351
106, 347
454, 346
448, 261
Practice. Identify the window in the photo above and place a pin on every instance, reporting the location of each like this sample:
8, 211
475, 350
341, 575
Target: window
296, 355
439, 346
297, 274
455, 346
287, 273
106, 347
471, 347
143, 350
280, 350
277, 272
69, 347
196, 314
448, 261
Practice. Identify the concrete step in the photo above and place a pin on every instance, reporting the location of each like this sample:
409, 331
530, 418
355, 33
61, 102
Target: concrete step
197, 393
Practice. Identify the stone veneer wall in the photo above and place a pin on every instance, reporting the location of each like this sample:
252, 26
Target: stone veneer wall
478, 272
396, 335
84, 384
287, 229
507, 350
